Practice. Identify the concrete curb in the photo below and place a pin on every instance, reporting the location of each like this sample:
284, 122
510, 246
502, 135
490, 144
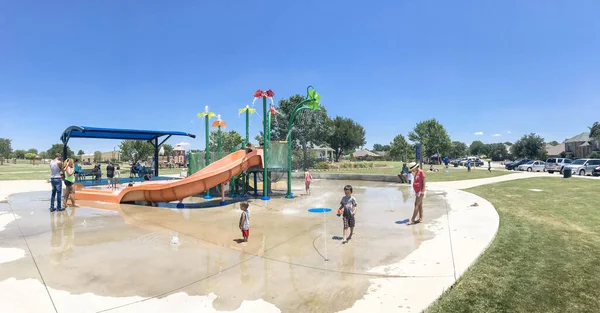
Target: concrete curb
351, 176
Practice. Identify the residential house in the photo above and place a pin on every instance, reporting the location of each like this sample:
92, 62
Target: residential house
581, 146
365, 154
555, 151
324, 153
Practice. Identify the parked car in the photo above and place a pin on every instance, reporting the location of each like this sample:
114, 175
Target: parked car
533, 166
556, 164
515, 164
478, 162
596, 171
583, 167
473, 160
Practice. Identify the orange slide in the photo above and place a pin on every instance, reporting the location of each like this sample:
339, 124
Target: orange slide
164, 191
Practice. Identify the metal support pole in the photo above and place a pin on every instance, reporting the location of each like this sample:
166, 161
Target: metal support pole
247, 126
207, 156
155, 156
266, 131
219, 143
255, 185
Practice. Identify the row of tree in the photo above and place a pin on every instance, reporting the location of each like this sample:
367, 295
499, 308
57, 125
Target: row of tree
434, 140
6, 152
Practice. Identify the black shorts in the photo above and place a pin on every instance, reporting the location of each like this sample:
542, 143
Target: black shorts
349, 221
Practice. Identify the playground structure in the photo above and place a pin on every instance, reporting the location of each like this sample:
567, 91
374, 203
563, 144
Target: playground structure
267, 163
165, 191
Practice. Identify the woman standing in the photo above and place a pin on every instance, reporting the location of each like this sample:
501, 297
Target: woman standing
419, 188
307, 180
69, 171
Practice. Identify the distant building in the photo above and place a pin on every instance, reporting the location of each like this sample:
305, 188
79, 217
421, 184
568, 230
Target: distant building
324, 153
581, 146
106, 157
365, 154
555, 151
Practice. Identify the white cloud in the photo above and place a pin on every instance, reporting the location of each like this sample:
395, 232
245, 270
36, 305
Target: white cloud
508, 132
478, 133
496, 135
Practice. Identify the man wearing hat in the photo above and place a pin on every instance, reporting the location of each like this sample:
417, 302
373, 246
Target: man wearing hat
419, 187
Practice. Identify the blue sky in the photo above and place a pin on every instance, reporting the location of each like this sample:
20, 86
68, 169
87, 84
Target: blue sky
497, 67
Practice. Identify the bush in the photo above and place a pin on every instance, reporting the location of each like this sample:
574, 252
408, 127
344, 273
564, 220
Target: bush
594, 155
321, 166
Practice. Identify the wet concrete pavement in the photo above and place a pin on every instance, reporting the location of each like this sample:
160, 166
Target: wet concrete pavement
294, 259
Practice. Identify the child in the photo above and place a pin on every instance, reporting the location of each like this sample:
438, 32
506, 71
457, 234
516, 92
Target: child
410, 178
468, 166
307, 180
116, 180
245, 220
348, 204
489, 166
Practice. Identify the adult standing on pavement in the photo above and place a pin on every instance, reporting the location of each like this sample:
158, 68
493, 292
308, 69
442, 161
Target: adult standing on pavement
419, 188
56, 182
110, 173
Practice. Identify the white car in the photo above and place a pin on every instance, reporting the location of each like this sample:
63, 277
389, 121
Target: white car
533, 166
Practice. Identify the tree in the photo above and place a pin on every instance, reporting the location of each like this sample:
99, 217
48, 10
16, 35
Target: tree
477, 148
401, 149
346, 136
30, 156
168, 149
595, 131
432, 136
508, 143
553, 143
529, 146
43, 155
97, 156
311, 127
377, 147
32, 150
496, 151
80, 153
228, 139
58, 149
458, 149
20, 154
135, 150
5, 149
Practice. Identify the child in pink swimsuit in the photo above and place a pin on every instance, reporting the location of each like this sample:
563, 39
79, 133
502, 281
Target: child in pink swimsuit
307, 180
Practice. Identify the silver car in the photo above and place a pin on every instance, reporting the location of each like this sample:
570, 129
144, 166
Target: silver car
583, 167
556, 164
533, 166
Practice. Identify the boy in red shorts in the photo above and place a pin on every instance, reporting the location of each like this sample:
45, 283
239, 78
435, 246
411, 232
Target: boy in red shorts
245, 220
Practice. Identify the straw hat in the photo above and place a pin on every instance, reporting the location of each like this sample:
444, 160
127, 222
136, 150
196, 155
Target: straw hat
413, 165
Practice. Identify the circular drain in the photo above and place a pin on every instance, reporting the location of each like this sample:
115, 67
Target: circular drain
319, 210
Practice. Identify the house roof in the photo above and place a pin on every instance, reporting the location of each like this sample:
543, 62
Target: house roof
364, 153
585, 144
580, 137
555, 150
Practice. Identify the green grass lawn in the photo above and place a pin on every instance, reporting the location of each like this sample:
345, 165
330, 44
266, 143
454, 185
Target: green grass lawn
454, 173
545, 255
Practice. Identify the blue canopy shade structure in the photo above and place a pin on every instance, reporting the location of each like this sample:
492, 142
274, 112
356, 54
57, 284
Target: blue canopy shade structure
151, 136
